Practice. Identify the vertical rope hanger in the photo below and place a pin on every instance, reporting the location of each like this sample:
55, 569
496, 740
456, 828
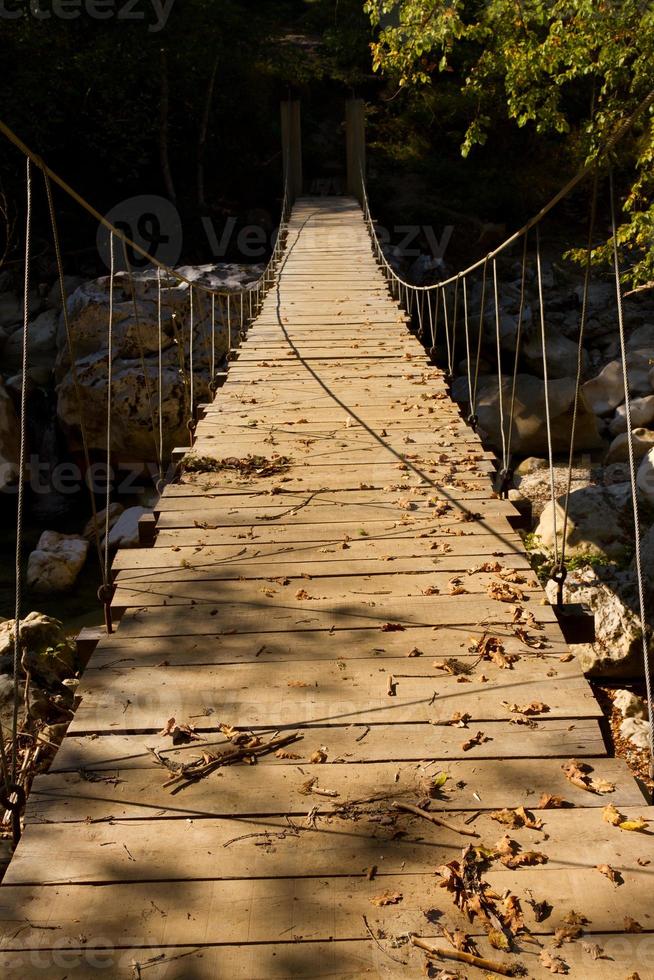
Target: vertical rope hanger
212, 366
229, 323
22, 456
73, 365
466, 332
503, 475
191, 365
139, 338
632, 477
447, 332
106, 592
559, 574
518, 338
472, 418
160, 380
541, 310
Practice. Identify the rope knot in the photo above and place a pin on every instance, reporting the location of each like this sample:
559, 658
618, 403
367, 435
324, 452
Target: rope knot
504, 481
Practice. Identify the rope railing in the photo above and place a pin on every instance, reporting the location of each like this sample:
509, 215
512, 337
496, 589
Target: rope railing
411, 298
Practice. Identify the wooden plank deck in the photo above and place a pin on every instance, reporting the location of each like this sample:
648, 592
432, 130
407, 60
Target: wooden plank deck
342, 591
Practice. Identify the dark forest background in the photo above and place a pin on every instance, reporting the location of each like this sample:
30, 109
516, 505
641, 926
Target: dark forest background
191, 112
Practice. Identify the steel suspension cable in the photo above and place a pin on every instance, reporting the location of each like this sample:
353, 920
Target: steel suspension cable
560, 573
518, 338
632, 478
73, 366
139, 339
500, 381
107, 504
480, 335
191, 365
22, 459
541, 310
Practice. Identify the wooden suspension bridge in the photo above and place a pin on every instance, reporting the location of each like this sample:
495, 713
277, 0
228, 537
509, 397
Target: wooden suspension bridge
336, 602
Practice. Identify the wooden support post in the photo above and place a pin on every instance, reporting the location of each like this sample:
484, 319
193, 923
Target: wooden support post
355, 136
147, 525
87, 640
577, 622
292, 147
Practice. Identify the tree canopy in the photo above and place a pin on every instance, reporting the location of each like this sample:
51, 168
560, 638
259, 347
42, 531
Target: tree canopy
575, 68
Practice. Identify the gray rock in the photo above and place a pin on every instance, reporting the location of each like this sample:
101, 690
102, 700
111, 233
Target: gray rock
125, 532
561, 355
605, 392
530, 433
42, 343
599, 521
38, 632
115, 510
642, 441
9, 441
132, 436
617, 650
71, 283
56, 562
645, 478
642, 413
641, 338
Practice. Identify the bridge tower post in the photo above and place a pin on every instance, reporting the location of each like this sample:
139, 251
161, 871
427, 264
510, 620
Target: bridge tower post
355, 136
292, 146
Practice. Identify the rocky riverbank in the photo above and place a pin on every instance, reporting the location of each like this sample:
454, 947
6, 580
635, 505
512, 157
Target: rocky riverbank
60, 541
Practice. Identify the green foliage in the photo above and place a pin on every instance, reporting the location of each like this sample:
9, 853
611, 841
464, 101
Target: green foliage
576, 68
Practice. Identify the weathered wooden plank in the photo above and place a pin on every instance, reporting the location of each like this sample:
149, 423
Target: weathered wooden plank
240, 790
213, 647
334, 532
261, 617
374, 742
260, 910
384, 959
122, 697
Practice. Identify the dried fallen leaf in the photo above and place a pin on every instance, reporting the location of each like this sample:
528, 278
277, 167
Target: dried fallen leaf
503, 592
579, 774
631, 925
533, 708
387, 898
614, 876
392, 627
477, 739
318, 756
283, 754
509, 854
550, 802
595, 951
553, 963
517, 818
613, 816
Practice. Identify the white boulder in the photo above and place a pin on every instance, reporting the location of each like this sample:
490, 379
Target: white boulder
125, 532
115, 510
618, 647
529, 428
606, 391
598, 521
37, 633
645, 477
642, 413
642, 441
56, 562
